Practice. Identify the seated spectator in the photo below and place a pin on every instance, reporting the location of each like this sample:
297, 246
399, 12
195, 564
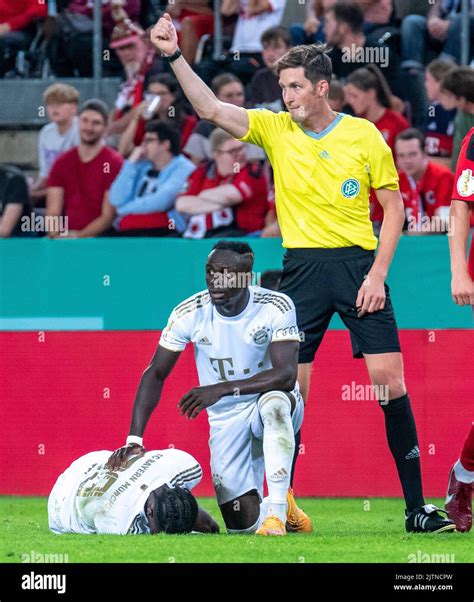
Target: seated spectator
79, 181
58, 136
223, 200
440, 32
265, 89
457, 92
138, 61
312, 30
439, 125
70, 51
16, 28
192, 20
168, 107
145, 191
228, 88
336, 96
425, 186
344, 23
245, 56
377, 15
14, 201
368, 94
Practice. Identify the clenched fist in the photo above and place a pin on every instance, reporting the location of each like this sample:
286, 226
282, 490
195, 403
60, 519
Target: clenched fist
164, 36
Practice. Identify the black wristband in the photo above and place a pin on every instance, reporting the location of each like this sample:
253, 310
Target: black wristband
172, 57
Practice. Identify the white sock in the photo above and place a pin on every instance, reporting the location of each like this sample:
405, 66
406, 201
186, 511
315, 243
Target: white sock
278, 449
463, 475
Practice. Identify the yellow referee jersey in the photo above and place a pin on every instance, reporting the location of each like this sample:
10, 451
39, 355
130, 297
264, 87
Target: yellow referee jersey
322, 181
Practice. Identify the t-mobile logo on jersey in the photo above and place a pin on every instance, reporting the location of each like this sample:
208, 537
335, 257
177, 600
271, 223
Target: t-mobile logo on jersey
219, 366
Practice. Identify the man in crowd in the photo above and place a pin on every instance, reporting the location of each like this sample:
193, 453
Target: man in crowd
227, 88
265, 89
425, 186
145, 191
58, 136
79, 181
226, 197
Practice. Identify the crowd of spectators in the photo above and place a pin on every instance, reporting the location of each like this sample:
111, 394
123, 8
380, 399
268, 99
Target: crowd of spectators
149, 166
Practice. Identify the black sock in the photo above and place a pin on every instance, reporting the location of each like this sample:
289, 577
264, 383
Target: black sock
295, 456
403, 443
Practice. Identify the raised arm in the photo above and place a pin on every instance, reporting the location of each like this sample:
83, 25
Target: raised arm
147, 398
230, 118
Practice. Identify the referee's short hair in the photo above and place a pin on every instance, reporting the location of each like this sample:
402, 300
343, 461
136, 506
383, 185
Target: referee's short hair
312, 57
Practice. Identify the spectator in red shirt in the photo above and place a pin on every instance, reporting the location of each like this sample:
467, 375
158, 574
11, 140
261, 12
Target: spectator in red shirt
462, 282
170, 108
425, 186
15, 28
80, 178
222, 200
369, 95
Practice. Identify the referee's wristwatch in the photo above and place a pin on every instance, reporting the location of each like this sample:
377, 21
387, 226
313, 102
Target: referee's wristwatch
170, 58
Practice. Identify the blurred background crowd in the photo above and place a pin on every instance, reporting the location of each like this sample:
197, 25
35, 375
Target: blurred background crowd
148, 166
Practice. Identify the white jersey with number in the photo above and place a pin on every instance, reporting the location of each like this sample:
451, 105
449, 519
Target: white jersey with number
231, 348
88, 498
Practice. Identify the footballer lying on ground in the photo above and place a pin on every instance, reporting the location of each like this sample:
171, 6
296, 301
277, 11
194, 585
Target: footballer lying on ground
151, 493
246, 343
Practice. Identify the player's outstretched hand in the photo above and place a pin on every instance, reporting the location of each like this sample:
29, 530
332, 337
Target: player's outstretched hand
199, 398
164, 36
121, 456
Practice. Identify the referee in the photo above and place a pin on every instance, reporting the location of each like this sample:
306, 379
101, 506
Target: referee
324, 165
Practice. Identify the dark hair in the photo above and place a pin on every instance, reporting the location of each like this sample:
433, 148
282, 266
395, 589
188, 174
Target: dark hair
222, 80
166, 131
336, 90
180, 103
97, 105
241, 248
460, 82
176, 510
350, 14
438, 68
371, 78
317, 64
275, 34
411, 134
271, 279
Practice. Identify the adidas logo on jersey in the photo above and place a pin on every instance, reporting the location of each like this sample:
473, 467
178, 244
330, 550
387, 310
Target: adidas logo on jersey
415, 453
204, 341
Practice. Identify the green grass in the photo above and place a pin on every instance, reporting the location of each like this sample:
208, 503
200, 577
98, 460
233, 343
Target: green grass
344, 532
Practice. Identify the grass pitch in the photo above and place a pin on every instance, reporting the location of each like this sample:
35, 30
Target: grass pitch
346, 530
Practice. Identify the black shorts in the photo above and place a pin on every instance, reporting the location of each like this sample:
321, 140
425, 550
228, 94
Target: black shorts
324, 281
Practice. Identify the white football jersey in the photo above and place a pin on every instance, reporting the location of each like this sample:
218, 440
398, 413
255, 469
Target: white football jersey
88, 498
231, 348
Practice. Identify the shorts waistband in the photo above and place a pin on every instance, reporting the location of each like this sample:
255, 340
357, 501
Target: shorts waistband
323, 254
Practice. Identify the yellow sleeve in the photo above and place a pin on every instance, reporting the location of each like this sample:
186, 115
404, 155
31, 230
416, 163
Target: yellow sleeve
264, 126
383, 173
